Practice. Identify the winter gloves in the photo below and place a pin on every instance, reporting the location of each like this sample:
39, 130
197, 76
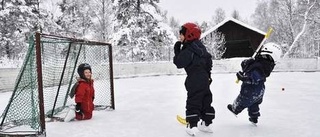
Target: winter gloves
241, 76
177, 47
210, 79
78, 109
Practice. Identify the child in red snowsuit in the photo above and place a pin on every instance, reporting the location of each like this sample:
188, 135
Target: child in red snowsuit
84, 94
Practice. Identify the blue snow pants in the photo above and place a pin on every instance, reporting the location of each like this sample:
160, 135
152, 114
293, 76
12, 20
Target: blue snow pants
250, 97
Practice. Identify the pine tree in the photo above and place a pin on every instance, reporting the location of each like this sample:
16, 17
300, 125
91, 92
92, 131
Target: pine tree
76, 19
17, 20
139, 33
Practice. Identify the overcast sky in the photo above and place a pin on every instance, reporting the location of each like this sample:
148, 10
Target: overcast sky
203, 10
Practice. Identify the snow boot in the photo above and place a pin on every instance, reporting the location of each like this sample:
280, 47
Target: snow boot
205, 127
192, 131
71, 114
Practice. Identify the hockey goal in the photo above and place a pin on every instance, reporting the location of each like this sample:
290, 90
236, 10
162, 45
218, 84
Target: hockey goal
46, 78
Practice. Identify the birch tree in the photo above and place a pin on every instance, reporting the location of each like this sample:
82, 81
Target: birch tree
302, 29
102, 19
293, 21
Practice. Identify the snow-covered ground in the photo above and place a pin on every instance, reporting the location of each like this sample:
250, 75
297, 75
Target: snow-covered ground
147, 107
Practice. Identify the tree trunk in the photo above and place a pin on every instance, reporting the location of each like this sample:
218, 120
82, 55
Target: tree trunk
2, 5
103, 20
138, 6
8, 50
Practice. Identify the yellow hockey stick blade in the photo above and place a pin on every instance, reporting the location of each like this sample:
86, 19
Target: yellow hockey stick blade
237, 81
181, 120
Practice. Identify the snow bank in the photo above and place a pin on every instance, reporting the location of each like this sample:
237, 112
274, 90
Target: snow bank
7, 63
127, 70
298, 65
145, 69
7, 78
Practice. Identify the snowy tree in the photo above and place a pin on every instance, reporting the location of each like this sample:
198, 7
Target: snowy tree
76, 19
219, 16
261, 15
139, 33
235, 14
17, 20
291, 26
215, 43
102, 19
175, 26
306, 7
204, 26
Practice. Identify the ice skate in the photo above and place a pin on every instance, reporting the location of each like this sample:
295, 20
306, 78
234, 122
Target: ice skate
230, 107
254, 121
191, 131
205, 128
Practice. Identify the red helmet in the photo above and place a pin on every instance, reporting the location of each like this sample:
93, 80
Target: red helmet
191, 31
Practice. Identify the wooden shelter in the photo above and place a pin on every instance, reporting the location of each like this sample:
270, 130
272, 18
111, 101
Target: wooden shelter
241, 40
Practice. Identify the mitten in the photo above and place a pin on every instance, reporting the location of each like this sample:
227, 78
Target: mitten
78, 109
241, 76
210, 80
246, 63
177, 47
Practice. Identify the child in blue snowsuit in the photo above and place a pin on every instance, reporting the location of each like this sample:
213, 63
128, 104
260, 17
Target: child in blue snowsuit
253, 76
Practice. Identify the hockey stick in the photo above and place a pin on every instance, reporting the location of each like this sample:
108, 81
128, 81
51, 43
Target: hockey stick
181, 120
260, 46
262, 42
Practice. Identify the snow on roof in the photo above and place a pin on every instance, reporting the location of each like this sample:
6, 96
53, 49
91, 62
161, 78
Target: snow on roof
233, 20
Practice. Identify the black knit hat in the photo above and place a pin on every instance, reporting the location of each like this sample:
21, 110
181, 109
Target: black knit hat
81, 69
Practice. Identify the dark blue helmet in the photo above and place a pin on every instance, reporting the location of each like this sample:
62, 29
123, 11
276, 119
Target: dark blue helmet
81, 69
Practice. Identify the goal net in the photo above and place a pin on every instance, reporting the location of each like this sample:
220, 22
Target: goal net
48, 73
